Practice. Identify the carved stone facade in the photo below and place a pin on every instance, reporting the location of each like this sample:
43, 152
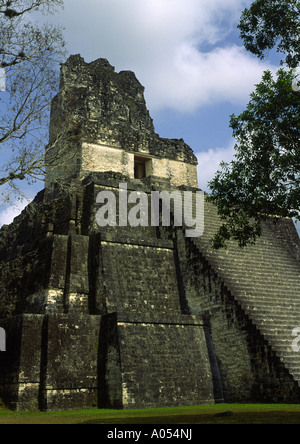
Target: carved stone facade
106, 112
132, 317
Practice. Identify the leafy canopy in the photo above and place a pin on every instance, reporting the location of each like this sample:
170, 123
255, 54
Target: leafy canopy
272, 23
264, 178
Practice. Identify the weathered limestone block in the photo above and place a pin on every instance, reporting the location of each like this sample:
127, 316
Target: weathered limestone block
69, 367
20, 365
139, 278
144, 362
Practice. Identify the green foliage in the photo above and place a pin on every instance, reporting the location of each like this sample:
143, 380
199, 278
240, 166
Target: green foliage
264, 178
270, 23
203, 414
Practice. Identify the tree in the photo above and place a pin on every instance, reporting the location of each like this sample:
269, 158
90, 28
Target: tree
264, 178
272, 23
29, 57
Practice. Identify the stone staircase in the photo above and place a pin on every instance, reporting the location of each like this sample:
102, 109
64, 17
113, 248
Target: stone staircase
264, 280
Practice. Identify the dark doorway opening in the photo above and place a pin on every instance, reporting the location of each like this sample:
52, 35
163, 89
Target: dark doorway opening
142, 167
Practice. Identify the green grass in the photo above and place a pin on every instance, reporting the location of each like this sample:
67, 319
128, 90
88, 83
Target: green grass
242, 414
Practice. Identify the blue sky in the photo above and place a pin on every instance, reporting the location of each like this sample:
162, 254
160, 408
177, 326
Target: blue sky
189, 58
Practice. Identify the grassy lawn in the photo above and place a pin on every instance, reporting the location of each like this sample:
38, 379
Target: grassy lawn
242, 414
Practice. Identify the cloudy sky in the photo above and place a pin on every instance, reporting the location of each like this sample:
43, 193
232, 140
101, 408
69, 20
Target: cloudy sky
187, 54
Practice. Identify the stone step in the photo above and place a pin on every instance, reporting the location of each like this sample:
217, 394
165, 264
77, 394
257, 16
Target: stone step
278, 321
277, 266
291, 361
257, 271
262, 289
281, 330
264, 300
292, 300
254, 261
271, 311
267, 302
247, 265
284, 339
261, 320
264, 280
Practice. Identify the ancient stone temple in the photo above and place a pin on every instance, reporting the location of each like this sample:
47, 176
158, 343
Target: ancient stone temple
132, 316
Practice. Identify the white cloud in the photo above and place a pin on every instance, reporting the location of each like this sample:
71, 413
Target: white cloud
209, 163
8, 213
198, 79
165, 43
